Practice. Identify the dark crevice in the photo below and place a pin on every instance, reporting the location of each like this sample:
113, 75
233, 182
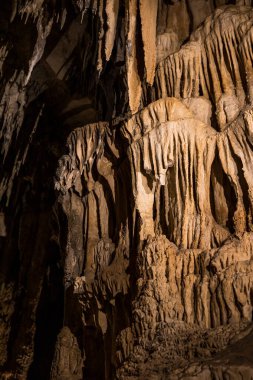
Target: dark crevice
49, 318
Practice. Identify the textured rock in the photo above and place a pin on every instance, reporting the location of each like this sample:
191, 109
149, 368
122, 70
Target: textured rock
133, 78
67, 357
126, 244
148, 12
208, 64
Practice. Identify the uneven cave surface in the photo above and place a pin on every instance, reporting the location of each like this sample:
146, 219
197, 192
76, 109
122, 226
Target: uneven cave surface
126, 189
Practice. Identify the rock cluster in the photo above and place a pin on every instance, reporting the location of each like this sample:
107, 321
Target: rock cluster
141, 257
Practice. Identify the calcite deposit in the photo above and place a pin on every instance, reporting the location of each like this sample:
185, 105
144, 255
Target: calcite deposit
126, 190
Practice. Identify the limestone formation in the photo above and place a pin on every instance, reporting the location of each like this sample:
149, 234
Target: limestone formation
126, 190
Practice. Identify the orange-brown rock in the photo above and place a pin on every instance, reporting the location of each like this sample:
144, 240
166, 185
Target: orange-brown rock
126, 190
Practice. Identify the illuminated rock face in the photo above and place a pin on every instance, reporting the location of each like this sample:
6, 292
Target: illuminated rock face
127, 243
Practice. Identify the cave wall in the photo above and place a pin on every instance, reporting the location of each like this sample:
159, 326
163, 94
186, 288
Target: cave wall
126, 206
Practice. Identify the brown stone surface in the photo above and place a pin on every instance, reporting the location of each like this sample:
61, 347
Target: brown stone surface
126, 201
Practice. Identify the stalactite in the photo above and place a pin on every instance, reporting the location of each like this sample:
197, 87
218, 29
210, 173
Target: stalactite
133, 78
148, 13
210, 55
112, 8
101, 35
